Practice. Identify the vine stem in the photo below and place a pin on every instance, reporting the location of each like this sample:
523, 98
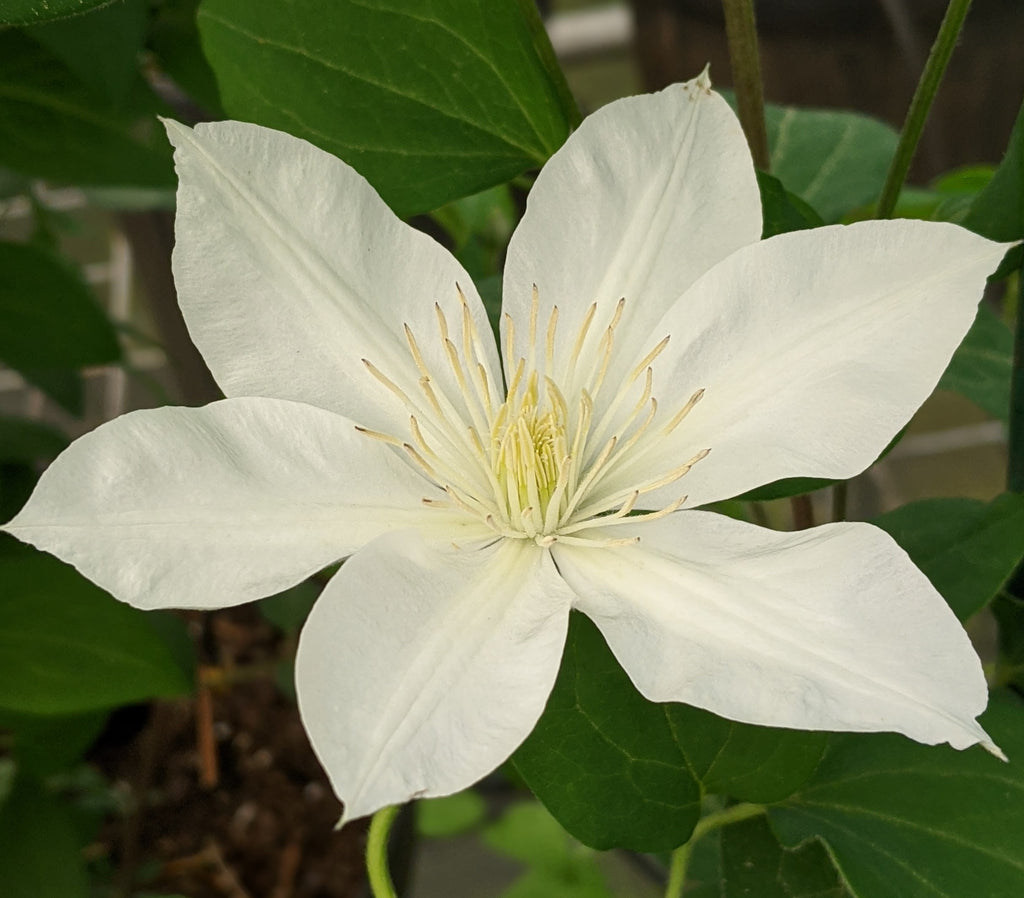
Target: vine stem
745, 60
681, 856
377, 852
921, 104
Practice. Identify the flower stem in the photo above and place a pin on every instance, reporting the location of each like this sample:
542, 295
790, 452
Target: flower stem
741, 34
921, 104
1015, 470
377, 852
681, 856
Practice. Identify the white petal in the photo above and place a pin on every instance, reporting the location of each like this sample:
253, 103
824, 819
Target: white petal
209, 507
649, 193
825, 629
290, 270
422, 668
814, 349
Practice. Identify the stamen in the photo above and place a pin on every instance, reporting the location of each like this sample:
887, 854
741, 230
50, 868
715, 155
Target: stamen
534, 312
650, 357
377, 435
549, 348
390, 384
420, 460
617, 518
597, 543
414, 348
577, 347
683, 412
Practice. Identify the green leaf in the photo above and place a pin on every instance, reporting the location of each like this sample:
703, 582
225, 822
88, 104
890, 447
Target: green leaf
783, 489
904, 820
451, 815
998, 211
755, 865
49, 321
102, 48
47, 744
836, 161
28, 12
288, 610
174, 40
966, 547
601, 744
783, 211
1008, 610
68, 647
429, 99
40, 854
55, 127
22, 439
556, 864
758, 764
981, 367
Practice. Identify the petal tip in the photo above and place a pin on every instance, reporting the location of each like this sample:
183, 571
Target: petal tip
703, 80
174, 129
994, 750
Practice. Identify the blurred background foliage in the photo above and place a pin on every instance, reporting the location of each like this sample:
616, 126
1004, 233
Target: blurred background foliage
161, 753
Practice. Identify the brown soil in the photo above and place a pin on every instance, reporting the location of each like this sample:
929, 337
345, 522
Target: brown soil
265, 827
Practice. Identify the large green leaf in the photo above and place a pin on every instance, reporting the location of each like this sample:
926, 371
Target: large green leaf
982, 365
429, 99
28, 12
755, 865
904, 820
55, 126
601, 744
101, 48
836, 161
45, 743
966, 547
40, 854
49, 322
998, 210
781, 210
68, 647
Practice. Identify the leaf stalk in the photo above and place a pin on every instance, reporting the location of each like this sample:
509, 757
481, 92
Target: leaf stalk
745, 60
921, 104
681, 856
377, 872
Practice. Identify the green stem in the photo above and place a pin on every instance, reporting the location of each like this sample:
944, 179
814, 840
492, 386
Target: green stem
921, 104
377, 852
1015, 470
681, 856
677, 870
744, 58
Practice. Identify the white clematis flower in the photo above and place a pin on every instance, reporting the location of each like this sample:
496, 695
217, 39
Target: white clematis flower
657, 356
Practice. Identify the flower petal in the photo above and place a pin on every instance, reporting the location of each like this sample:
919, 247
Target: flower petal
290, 270
421, 668
209, 507
649, 193
814, 349
825, 629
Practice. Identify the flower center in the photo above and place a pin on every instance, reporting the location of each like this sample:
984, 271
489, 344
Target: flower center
530, 449
533, 466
